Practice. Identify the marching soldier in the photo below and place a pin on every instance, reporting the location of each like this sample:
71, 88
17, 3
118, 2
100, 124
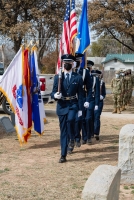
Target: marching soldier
69, 103
117, 90
130, 86
97, 113
92, 104
80, 122
124, 90
90, 64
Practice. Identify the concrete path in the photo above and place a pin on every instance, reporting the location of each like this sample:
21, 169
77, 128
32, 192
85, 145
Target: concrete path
119, 116
50, 112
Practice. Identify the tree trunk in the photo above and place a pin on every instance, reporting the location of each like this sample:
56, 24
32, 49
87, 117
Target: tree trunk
17, 44
40, 55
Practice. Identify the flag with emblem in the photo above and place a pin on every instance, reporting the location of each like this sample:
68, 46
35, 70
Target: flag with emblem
65, 38
15, 88
38, 112
83, 37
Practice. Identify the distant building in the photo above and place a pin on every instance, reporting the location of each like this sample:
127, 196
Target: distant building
114, 62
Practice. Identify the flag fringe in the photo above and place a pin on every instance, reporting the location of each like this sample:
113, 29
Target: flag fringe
27, 133
7, 99
86, 48
39, 133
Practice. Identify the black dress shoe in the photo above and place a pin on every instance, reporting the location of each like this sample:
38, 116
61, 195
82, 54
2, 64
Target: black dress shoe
77, 144
83, 142
62, 159
97, 137
71, 144
89, 141
70, 150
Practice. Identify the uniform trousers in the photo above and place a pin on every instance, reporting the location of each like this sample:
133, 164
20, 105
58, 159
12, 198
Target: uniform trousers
80, 125
89, 119
67, 127
97, 114
117, 100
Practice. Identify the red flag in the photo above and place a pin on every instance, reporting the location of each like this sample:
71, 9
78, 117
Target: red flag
27, 83
73, 26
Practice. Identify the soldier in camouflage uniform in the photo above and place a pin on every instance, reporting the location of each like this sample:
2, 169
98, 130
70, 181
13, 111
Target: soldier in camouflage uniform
124, 90
129, 86
117, 90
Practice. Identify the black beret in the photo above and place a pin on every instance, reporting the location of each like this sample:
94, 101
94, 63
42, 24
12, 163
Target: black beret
68, 58
96, 71
78, 56
89, 62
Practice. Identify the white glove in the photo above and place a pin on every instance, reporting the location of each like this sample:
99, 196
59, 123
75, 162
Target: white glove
57, 95
96, 108
101, 97
86, 104
79, 113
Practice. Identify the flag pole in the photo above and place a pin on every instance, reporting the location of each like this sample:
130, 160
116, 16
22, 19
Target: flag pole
85, 59
60, 78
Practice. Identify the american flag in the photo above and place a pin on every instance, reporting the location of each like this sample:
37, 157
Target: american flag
68, 33
73, 26
65, 38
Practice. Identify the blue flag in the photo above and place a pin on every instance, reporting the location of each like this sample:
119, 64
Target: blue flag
83, 37
37, 103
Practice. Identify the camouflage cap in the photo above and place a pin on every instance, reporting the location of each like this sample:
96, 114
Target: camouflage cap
117, 72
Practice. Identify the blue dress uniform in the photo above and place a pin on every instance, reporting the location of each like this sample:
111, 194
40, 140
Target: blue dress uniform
93, 105
80, 123
97, 113
68, 106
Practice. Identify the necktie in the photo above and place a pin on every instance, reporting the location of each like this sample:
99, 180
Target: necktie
67, 79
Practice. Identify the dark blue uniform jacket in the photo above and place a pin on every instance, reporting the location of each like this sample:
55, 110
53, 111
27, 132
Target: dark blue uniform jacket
103, 90
74, 88
95, 91
87, 84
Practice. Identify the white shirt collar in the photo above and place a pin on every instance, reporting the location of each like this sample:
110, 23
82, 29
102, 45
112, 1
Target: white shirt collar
66, 72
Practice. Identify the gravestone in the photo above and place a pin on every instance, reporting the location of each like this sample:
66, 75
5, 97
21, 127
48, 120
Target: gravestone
126, 153
7, 124
103, 184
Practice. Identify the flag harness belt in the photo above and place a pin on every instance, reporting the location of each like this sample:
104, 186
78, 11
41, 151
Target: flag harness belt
69, 98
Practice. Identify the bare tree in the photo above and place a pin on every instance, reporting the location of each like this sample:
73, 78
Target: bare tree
36, 18
113, 18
